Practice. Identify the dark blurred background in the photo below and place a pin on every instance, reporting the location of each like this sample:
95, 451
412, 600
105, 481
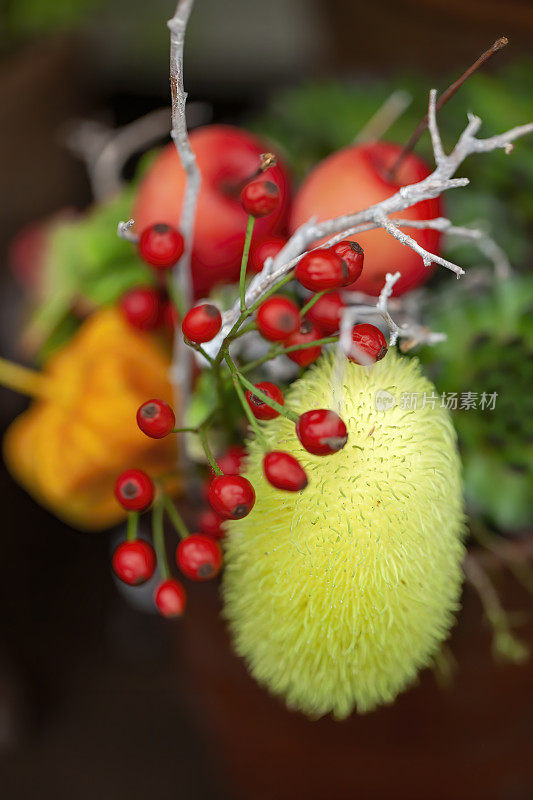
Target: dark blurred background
98, 700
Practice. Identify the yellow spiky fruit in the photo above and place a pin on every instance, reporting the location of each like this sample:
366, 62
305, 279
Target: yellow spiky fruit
336, 596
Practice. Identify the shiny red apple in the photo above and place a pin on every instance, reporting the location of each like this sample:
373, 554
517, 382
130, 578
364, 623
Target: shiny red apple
227, 157
356, 178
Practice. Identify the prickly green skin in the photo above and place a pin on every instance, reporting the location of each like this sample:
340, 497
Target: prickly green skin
336, 596
490, 349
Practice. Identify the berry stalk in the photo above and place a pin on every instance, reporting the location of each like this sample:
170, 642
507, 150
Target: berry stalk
132, 526
175, 517
240, 394
285, 412
311, 302
158, 537
280, 351
244, 261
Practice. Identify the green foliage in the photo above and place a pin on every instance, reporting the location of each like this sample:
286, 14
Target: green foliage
23, 17
311, 121
490, 349
85, 259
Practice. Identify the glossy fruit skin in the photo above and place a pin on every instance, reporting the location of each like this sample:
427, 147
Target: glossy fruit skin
226, 157
134, 490
260, 197
353, 179
277, 318
161, 245
307, 332
327, 312
284, 471
202, 323
369, 339
156, 418
170, 598
322, 269
262, 410
267, 248
199, 557
321, 431
353, 256
231, 496
134, 562
142, 307
210, 523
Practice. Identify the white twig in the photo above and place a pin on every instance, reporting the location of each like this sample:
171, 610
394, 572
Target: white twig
436, 141
439, 181
181, 362
105, 150
125, 231
411, 331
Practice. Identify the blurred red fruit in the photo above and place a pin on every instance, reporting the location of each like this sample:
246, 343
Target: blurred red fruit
227, 157
355, 178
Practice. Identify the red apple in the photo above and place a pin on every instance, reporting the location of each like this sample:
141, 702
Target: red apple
226, 157
355, 178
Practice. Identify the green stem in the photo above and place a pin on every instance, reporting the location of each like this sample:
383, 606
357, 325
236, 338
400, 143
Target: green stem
280, 351
273, 289
184, 430
175, 517
158, 536
202, 432
252, 326
199, 349
133, 524
286, 412
247, 313
240, 394
312, 301
244, 261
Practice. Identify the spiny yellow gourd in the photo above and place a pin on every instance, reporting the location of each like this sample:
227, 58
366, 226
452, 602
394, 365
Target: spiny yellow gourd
336, 596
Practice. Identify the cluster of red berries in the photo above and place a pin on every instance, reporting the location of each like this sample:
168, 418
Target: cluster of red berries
322, 271
149, 307
198, 556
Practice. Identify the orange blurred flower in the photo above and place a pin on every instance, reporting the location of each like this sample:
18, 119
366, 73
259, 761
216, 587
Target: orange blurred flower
80, 432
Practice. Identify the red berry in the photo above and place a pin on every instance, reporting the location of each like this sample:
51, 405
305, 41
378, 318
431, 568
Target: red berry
260, 197
353, 256
142, 307
231, 462
202, 323
134, 490
161, 245
231, 496
210, 523
322, 269
327, 312
155, 418
134, 562
284, 471
277, 318
170, 598
199, 557
268, 248
260, 409
321, 431
308, 332
370, 340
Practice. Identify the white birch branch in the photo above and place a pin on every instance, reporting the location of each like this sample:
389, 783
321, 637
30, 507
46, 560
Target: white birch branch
181, 360
440, 180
